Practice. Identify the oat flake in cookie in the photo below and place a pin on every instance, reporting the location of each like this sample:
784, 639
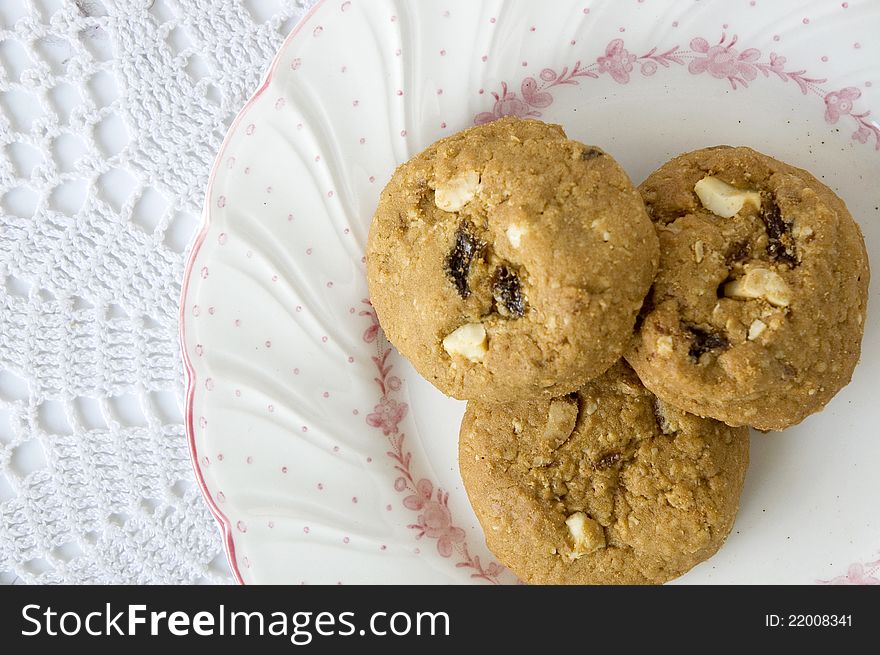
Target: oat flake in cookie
757, 312
609, 485
507, 261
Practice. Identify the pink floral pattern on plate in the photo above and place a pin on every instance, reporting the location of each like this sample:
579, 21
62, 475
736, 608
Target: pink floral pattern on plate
434, 519
722, 60
858, 574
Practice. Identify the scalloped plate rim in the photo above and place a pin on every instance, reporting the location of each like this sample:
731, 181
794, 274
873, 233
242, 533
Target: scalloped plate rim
224, 522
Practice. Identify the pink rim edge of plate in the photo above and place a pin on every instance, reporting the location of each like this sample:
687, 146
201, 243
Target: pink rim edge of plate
189, 373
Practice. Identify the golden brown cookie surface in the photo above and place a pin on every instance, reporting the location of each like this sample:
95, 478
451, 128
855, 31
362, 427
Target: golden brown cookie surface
758, 309
507, 261
606, 486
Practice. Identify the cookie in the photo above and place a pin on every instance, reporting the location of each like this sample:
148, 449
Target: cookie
507, 261
609, 485
757, 312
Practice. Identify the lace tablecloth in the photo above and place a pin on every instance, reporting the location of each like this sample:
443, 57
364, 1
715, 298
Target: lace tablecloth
111, 112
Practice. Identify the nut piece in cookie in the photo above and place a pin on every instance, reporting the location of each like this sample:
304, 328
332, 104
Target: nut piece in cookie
538, 248
455, 193
723, 199
755, 317
608, 485
760, 283
468, 341
586, 535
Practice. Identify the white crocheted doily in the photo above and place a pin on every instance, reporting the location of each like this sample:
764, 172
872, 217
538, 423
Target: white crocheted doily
111, 112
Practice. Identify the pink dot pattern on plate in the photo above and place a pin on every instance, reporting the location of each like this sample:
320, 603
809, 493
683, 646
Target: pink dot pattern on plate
242, 527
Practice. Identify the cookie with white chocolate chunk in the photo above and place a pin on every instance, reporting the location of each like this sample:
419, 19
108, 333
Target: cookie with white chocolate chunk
507, 261
757, 313
608, 485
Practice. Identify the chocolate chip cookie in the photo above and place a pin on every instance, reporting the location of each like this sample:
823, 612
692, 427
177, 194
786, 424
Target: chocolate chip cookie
757, 312
507, 261
608, 485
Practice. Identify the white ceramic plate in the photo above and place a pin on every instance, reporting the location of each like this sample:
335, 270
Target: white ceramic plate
322, 453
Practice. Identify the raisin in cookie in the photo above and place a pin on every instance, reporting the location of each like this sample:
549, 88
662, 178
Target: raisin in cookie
507, 261
608, 485
757, 312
